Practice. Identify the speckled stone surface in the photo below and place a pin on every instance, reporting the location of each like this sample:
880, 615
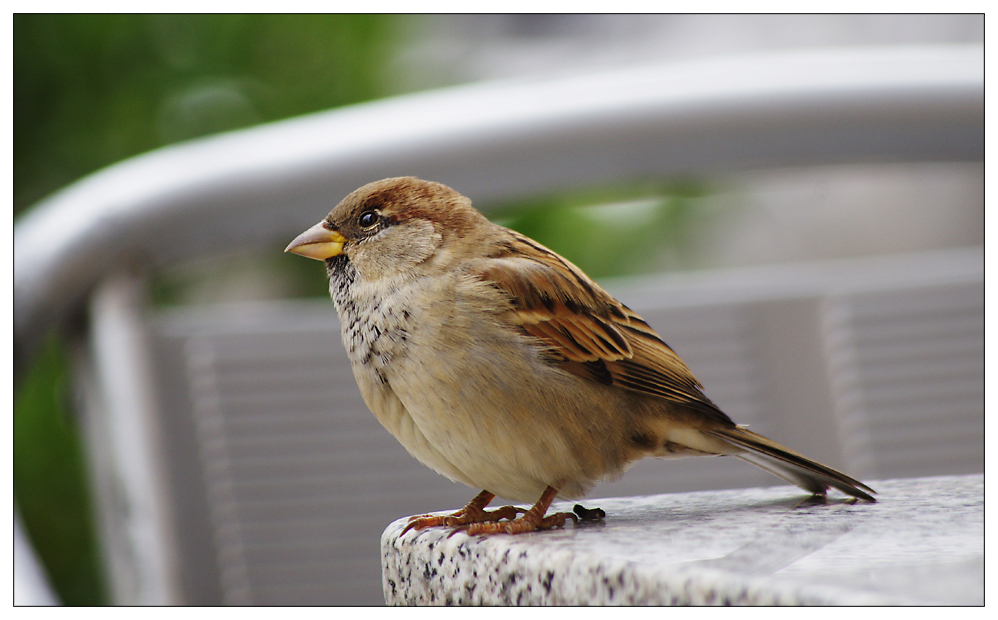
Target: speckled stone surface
921, 543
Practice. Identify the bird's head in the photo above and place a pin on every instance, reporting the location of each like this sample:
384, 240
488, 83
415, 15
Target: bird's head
391, 226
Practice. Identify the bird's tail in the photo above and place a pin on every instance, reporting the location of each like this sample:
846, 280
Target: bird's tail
789, 465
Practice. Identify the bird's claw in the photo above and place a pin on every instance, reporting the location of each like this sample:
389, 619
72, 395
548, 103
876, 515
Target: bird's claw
527, 523
463, 518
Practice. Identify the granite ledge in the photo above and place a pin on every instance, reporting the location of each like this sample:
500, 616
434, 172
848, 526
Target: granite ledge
921, 543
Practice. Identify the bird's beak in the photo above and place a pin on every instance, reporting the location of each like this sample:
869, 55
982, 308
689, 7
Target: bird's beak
317, 242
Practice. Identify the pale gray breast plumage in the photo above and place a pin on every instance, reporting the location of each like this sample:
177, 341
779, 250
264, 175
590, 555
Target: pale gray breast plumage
372, 324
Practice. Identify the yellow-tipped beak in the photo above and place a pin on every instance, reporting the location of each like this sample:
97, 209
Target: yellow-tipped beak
317, 242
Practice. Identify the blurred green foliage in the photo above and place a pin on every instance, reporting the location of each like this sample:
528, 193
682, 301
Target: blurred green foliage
49, 480
91, 90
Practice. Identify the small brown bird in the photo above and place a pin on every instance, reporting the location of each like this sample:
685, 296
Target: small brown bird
501, 365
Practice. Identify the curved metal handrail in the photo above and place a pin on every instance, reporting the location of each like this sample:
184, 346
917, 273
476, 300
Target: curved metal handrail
498, 141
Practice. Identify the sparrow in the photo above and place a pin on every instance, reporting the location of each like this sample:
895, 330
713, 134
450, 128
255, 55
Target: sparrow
499, 364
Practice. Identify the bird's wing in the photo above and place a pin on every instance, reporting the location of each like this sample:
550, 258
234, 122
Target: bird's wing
585, 330
592, 335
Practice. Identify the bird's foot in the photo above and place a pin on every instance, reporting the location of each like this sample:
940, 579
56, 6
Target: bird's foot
531, 520
463, 517
473, 513
527, 523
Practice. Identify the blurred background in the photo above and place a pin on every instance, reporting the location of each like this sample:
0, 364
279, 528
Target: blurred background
92, 90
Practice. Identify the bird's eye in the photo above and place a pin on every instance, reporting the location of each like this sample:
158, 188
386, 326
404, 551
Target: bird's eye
368, 219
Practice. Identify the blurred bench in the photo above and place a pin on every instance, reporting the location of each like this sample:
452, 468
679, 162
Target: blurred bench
232, 458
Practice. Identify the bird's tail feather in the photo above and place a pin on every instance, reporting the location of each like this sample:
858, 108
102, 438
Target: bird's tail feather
789, 465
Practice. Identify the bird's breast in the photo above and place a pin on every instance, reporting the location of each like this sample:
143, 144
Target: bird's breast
375, 321
439, 369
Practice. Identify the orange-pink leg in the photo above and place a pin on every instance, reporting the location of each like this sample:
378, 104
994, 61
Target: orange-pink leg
533, 519
474, 512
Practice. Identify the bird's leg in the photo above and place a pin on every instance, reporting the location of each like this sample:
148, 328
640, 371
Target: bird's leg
474, 512
533, 519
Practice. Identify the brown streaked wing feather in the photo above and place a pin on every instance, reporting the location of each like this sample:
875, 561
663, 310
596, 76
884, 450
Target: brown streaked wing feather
588, 332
